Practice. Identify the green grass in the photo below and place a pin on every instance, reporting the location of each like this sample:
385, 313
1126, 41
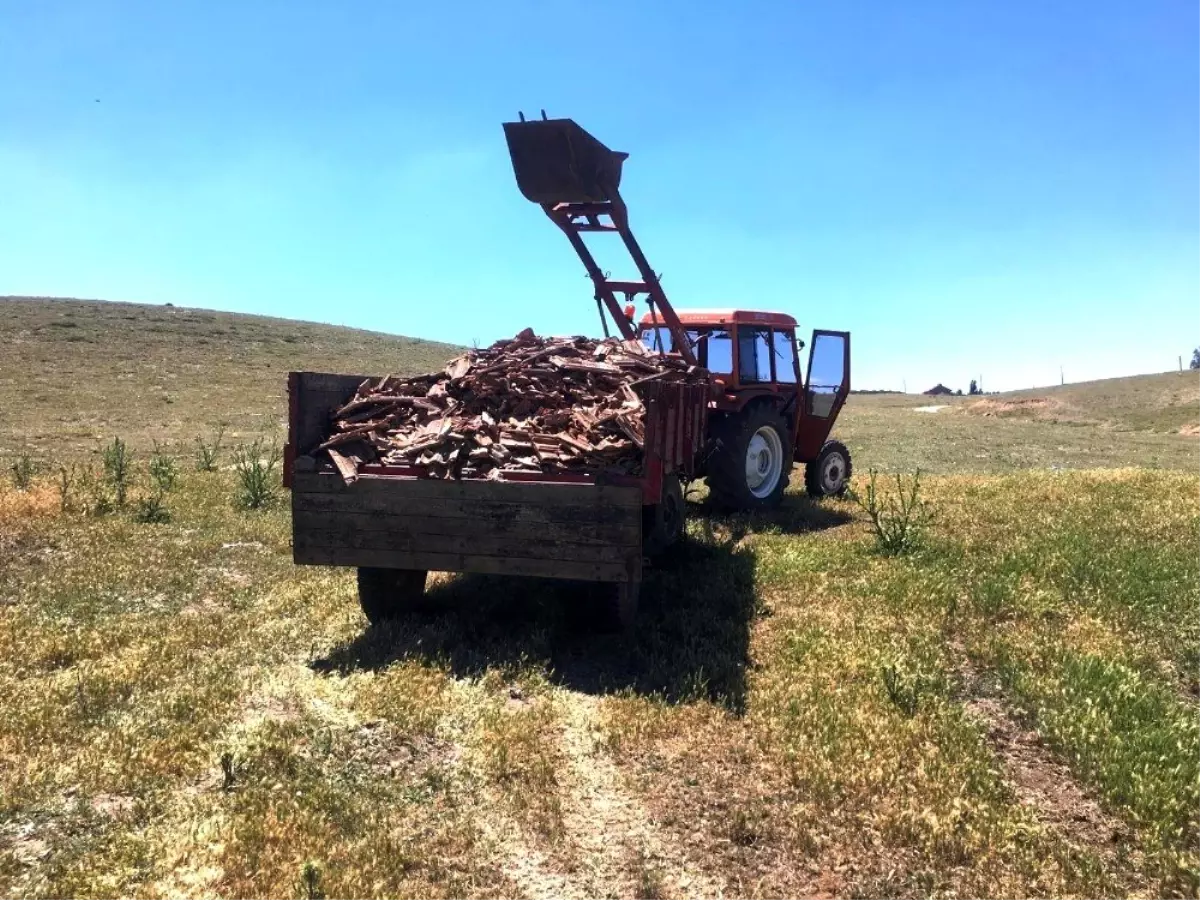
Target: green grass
186, 712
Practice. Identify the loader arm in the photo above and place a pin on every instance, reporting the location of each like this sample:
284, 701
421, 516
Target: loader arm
576, 180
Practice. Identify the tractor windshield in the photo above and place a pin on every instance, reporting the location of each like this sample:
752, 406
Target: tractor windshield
660, 341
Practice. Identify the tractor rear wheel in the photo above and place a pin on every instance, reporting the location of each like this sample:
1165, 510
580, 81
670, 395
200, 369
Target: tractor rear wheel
829, 474
663, 523
752, 460
619, 606
386, 594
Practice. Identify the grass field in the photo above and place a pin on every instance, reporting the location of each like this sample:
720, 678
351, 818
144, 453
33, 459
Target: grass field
1010, 709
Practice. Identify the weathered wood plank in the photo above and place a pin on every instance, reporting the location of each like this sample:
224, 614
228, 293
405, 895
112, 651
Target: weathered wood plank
502, 546
320, 393
401, 504
461, 562
542, 493
627, 533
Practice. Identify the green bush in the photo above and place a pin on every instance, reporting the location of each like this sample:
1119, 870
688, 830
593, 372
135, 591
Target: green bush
118, 470
903, 688
23, 471
207, 453
255, 465
98, 501
66, 481
152, 509
899, 521
163, 470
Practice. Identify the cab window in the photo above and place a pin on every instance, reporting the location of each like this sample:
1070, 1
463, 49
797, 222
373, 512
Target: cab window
660, 340
785, 357
754, 354
719, 356
657, 339
826, 373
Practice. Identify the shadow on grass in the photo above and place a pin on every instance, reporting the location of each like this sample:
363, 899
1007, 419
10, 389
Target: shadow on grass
690, 640
797, 514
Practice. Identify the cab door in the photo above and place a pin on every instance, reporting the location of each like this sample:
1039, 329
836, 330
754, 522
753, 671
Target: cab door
825, 390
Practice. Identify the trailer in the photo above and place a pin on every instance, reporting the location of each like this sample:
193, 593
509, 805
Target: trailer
395, 527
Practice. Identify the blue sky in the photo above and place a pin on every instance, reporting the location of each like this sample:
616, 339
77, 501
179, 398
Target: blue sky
968, 187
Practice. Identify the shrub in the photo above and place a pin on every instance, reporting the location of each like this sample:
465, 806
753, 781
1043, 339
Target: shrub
310, 882
118, 469
207, 453
903, 689
97, 499
23, 471
898, 522
163, 470
255, 466
66, 480
152, 509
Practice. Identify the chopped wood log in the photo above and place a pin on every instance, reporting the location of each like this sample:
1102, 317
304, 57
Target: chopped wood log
527, 404
346, 468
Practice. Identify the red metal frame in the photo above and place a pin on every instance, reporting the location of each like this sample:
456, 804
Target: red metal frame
577, 218
718, 317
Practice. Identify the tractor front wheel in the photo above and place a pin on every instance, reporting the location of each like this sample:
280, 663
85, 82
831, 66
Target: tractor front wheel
829, 474
385, 594
752, 459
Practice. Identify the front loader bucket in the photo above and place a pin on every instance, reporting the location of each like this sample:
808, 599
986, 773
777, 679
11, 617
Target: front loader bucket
556, 161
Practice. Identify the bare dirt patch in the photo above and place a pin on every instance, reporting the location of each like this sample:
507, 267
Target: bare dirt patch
1039, 780
618, 842
609, 845
1021, 406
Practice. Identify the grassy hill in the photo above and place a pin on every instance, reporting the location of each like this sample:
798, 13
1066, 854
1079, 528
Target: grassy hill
1167, 403
1146, 420
74, 373
1008, 708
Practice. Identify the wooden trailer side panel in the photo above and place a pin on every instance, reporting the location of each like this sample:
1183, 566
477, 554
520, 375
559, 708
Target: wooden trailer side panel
553, 530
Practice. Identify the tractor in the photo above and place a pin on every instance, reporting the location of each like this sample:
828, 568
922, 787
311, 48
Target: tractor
763, 418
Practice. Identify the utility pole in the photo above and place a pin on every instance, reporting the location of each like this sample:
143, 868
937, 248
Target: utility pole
1180, 363
1062, 379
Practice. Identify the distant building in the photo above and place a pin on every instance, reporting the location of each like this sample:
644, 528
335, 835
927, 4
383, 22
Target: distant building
938, 390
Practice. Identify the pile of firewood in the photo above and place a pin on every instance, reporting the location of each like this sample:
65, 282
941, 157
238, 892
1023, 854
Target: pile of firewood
528, 404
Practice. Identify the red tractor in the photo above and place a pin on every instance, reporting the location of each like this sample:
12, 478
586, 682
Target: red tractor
763, 417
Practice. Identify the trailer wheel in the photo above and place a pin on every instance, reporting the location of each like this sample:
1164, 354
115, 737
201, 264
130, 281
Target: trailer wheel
620, 605
829, 474
385, 594
664, 522
750, 465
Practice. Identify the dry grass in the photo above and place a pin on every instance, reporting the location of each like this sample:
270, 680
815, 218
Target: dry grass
76, 372
187, 713
1150, 421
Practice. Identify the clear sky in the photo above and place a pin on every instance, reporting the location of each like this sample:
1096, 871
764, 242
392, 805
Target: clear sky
968, 187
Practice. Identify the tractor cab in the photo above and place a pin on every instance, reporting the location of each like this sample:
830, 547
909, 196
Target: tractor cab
744, 349
750, 353
754, 359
